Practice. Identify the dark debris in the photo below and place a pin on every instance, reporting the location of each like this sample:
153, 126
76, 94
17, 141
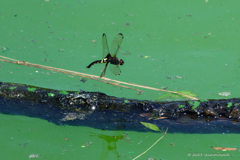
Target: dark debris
82, 105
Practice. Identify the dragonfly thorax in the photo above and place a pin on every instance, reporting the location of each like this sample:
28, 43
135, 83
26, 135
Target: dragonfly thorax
115, 61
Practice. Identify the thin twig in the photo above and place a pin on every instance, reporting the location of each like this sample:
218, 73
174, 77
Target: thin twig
151, 145
89, 76
66, 72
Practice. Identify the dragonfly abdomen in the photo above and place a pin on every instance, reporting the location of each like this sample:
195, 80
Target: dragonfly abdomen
98, 61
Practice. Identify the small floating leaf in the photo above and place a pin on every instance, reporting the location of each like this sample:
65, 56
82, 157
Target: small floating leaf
225, 149
140, 92
151, 126
34, 156
224, 94
5, 49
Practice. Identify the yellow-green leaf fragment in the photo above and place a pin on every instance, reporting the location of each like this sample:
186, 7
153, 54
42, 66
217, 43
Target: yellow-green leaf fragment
63, 92
225, 148
229, 104
11, 88
203, 100
194, 103
181, 106
236, 104
151, 126
31, 89
51, 94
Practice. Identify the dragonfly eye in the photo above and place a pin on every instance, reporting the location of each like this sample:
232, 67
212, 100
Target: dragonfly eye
121, 62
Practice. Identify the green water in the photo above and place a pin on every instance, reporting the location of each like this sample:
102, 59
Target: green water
195, 40
22, 136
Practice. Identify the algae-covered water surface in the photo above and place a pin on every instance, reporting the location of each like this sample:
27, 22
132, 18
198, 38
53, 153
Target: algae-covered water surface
179, 83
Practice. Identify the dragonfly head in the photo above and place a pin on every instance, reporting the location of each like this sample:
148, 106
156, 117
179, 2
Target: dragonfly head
121, 62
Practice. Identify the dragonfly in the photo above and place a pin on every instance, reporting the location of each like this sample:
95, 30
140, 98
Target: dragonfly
110, 57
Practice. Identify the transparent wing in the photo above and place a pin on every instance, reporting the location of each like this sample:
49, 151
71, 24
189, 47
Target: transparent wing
104, 70
115, 69
116, 44
105, 46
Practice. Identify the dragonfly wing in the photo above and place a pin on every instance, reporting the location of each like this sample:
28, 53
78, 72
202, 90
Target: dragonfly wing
116, 44
104, 70
105, 46
115, 69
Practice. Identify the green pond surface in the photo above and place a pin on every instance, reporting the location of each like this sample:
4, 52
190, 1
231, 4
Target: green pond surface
23, 136
189, 46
